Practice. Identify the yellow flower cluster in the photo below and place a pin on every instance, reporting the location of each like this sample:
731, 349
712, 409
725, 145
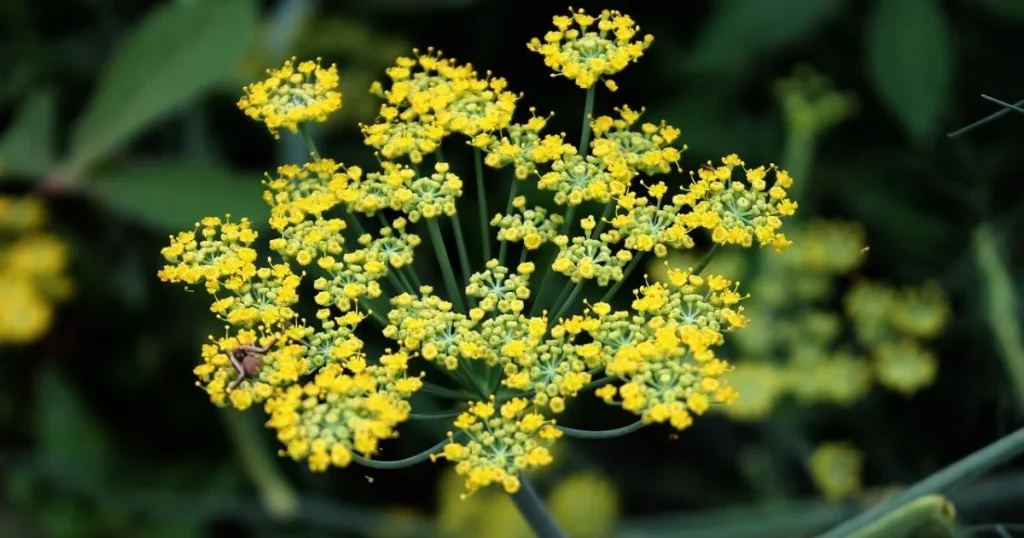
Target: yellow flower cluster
33, 271
293, 94
349, 405
431, 97
585, 48
518, 352
344, 409
503, 441
739, 211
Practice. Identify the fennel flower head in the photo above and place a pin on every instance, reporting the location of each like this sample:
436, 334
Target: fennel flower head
512, 315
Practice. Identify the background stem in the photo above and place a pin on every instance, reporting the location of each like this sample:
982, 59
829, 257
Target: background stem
534, 512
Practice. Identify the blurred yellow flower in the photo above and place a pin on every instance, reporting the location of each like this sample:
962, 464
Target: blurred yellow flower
33, 271
759, 385
905, 366
836, 469
586, 505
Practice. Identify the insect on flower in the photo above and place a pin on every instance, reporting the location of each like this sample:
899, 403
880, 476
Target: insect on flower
248, 360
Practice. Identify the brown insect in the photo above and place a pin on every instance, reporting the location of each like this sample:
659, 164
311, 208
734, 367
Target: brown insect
708, 167
248, 360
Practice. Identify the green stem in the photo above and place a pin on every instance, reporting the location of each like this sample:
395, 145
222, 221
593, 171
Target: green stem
565, 306
503, 247
438, 415
1004, 104
278, 496
703, 264
353, 221
545, 281
605, 215
481, 200
414, 277
983, 121
402, 463
446, 265
542, 290
460, 244
304, 131
973, 465
445, 392
597, 383
494, 377
396, 282
534, 512
570, 212
602, 434
566, 290
911, 518
374, 312
588, 109
472, 377
405, 281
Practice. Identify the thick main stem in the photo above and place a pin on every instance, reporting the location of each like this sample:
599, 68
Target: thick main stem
534, 511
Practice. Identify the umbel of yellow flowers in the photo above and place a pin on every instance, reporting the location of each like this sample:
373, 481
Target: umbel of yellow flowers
517, 351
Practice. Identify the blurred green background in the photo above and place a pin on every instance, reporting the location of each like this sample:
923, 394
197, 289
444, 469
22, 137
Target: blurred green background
120, 119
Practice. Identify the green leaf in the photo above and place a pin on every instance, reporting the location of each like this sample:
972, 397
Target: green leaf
181, 50
27, 147
743, 31
910, 62
168, 197
67, 435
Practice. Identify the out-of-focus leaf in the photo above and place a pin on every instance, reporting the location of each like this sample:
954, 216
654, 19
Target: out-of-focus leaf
174, 196
1013, 9
741, 31
910, 62
28, 146
67, 435
181, 50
